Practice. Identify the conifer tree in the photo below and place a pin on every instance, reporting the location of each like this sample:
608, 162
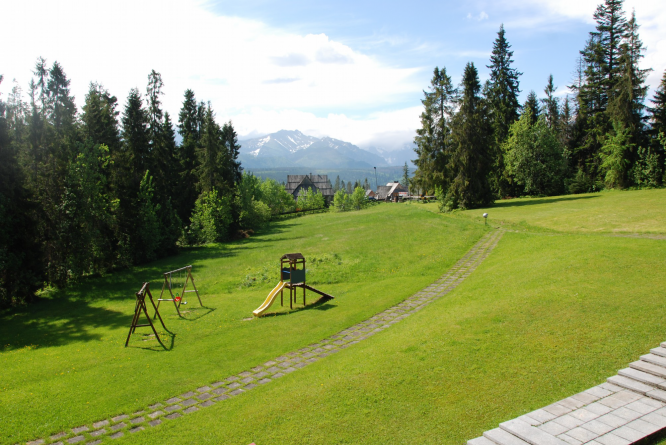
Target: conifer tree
433, 138
657, 113
532, 104
551, 105
100, 118
471, 160
502, 95
190, 127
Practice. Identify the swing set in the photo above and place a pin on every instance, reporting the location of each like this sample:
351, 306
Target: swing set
140, 307
176, 283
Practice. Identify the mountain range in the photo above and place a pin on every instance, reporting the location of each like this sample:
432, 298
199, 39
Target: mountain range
291, 148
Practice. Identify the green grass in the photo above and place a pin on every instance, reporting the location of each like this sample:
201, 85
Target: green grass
558, 318
556, 308
621, 212
64, 361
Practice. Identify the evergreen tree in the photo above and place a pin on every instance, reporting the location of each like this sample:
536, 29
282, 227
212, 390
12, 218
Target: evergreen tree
433, 138
189, 127
628, 105
21, 266
405, 176
100, 118
470, 159
233, 172
532, 107
503, 91
336, 186
551, 105
209, 153
657, 113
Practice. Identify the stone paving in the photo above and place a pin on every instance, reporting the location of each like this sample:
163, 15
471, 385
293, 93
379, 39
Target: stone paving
628, 408
200, 398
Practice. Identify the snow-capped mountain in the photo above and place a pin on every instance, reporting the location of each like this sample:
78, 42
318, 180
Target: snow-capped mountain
288, 148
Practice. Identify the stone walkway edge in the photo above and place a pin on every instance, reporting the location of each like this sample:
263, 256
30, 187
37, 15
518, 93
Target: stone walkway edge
218, 391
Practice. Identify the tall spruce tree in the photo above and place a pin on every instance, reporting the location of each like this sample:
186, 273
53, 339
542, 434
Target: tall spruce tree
551, 105
21, 261
657, 113
471, 160
532, 104
502, 95
433, 139
189, 126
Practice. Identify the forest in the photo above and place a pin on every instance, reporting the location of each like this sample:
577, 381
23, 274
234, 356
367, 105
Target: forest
478, 143
84, 193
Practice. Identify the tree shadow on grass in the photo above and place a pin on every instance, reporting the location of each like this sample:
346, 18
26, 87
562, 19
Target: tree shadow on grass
57, 322
528, 202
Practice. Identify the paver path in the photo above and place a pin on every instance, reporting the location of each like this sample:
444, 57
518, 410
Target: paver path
214, 392
629, 407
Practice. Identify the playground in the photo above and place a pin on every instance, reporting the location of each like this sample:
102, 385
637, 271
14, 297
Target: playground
566, 311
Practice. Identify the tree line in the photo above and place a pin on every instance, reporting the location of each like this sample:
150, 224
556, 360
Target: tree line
85, 192
478, 143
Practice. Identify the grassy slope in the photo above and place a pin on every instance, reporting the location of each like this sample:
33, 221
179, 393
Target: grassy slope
640, 211
545, 316
560, 316
63, 359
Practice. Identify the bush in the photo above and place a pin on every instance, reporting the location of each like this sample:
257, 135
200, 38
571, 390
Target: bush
211, 219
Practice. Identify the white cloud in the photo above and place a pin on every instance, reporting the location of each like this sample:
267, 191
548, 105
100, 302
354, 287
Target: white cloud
482, 16
650, 15
248, 70
385, 130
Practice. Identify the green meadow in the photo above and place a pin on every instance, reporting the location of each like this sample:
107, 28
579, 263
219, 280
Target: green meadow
559, 305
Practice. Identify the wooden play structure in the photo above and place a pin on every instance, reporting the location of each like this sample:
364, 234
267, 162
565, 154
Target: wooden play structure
292, 277
173, 281
140, 307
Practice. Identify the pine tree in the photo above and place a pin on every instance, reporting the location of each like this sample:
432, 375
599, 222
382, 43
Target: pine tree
336, 186
21, 267
233, 172
502, 95
657, 113
471, 160
433, 138
189, 127
551, 105
628, 105
532, 104
209, 153
100, 118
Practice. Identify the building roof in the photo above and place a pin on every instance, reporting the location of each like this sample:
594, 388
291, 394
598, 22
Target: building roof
316, 182
384, 191
292, 256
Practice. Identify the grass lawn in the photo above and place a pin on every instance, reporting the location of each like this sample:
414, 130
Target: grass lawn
621, 212
63, 359
556, 308
562, 315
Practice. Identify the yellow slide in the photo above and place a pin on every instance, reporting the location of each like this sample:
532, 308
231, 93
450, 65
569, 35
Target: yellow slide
269, 300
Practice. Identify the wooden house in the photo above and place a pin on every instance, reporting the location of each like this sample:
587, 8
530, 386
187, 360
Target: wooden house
297, 183
391, 191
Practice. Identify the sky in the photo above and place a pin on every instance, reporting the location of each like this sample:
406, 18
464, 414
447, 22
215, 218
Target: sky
351, 70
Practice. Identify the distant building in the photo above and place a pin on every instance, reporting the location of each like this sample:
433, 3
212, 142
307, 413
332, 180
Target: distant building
391, 191
298, 183
370, 194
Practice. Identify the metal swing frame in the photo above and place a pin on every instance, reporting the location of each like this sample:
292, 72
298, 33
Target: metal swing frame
168, 286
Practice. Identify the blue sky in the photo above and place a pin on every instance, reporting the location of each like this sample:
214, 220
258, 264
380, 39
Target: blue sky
353, 70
